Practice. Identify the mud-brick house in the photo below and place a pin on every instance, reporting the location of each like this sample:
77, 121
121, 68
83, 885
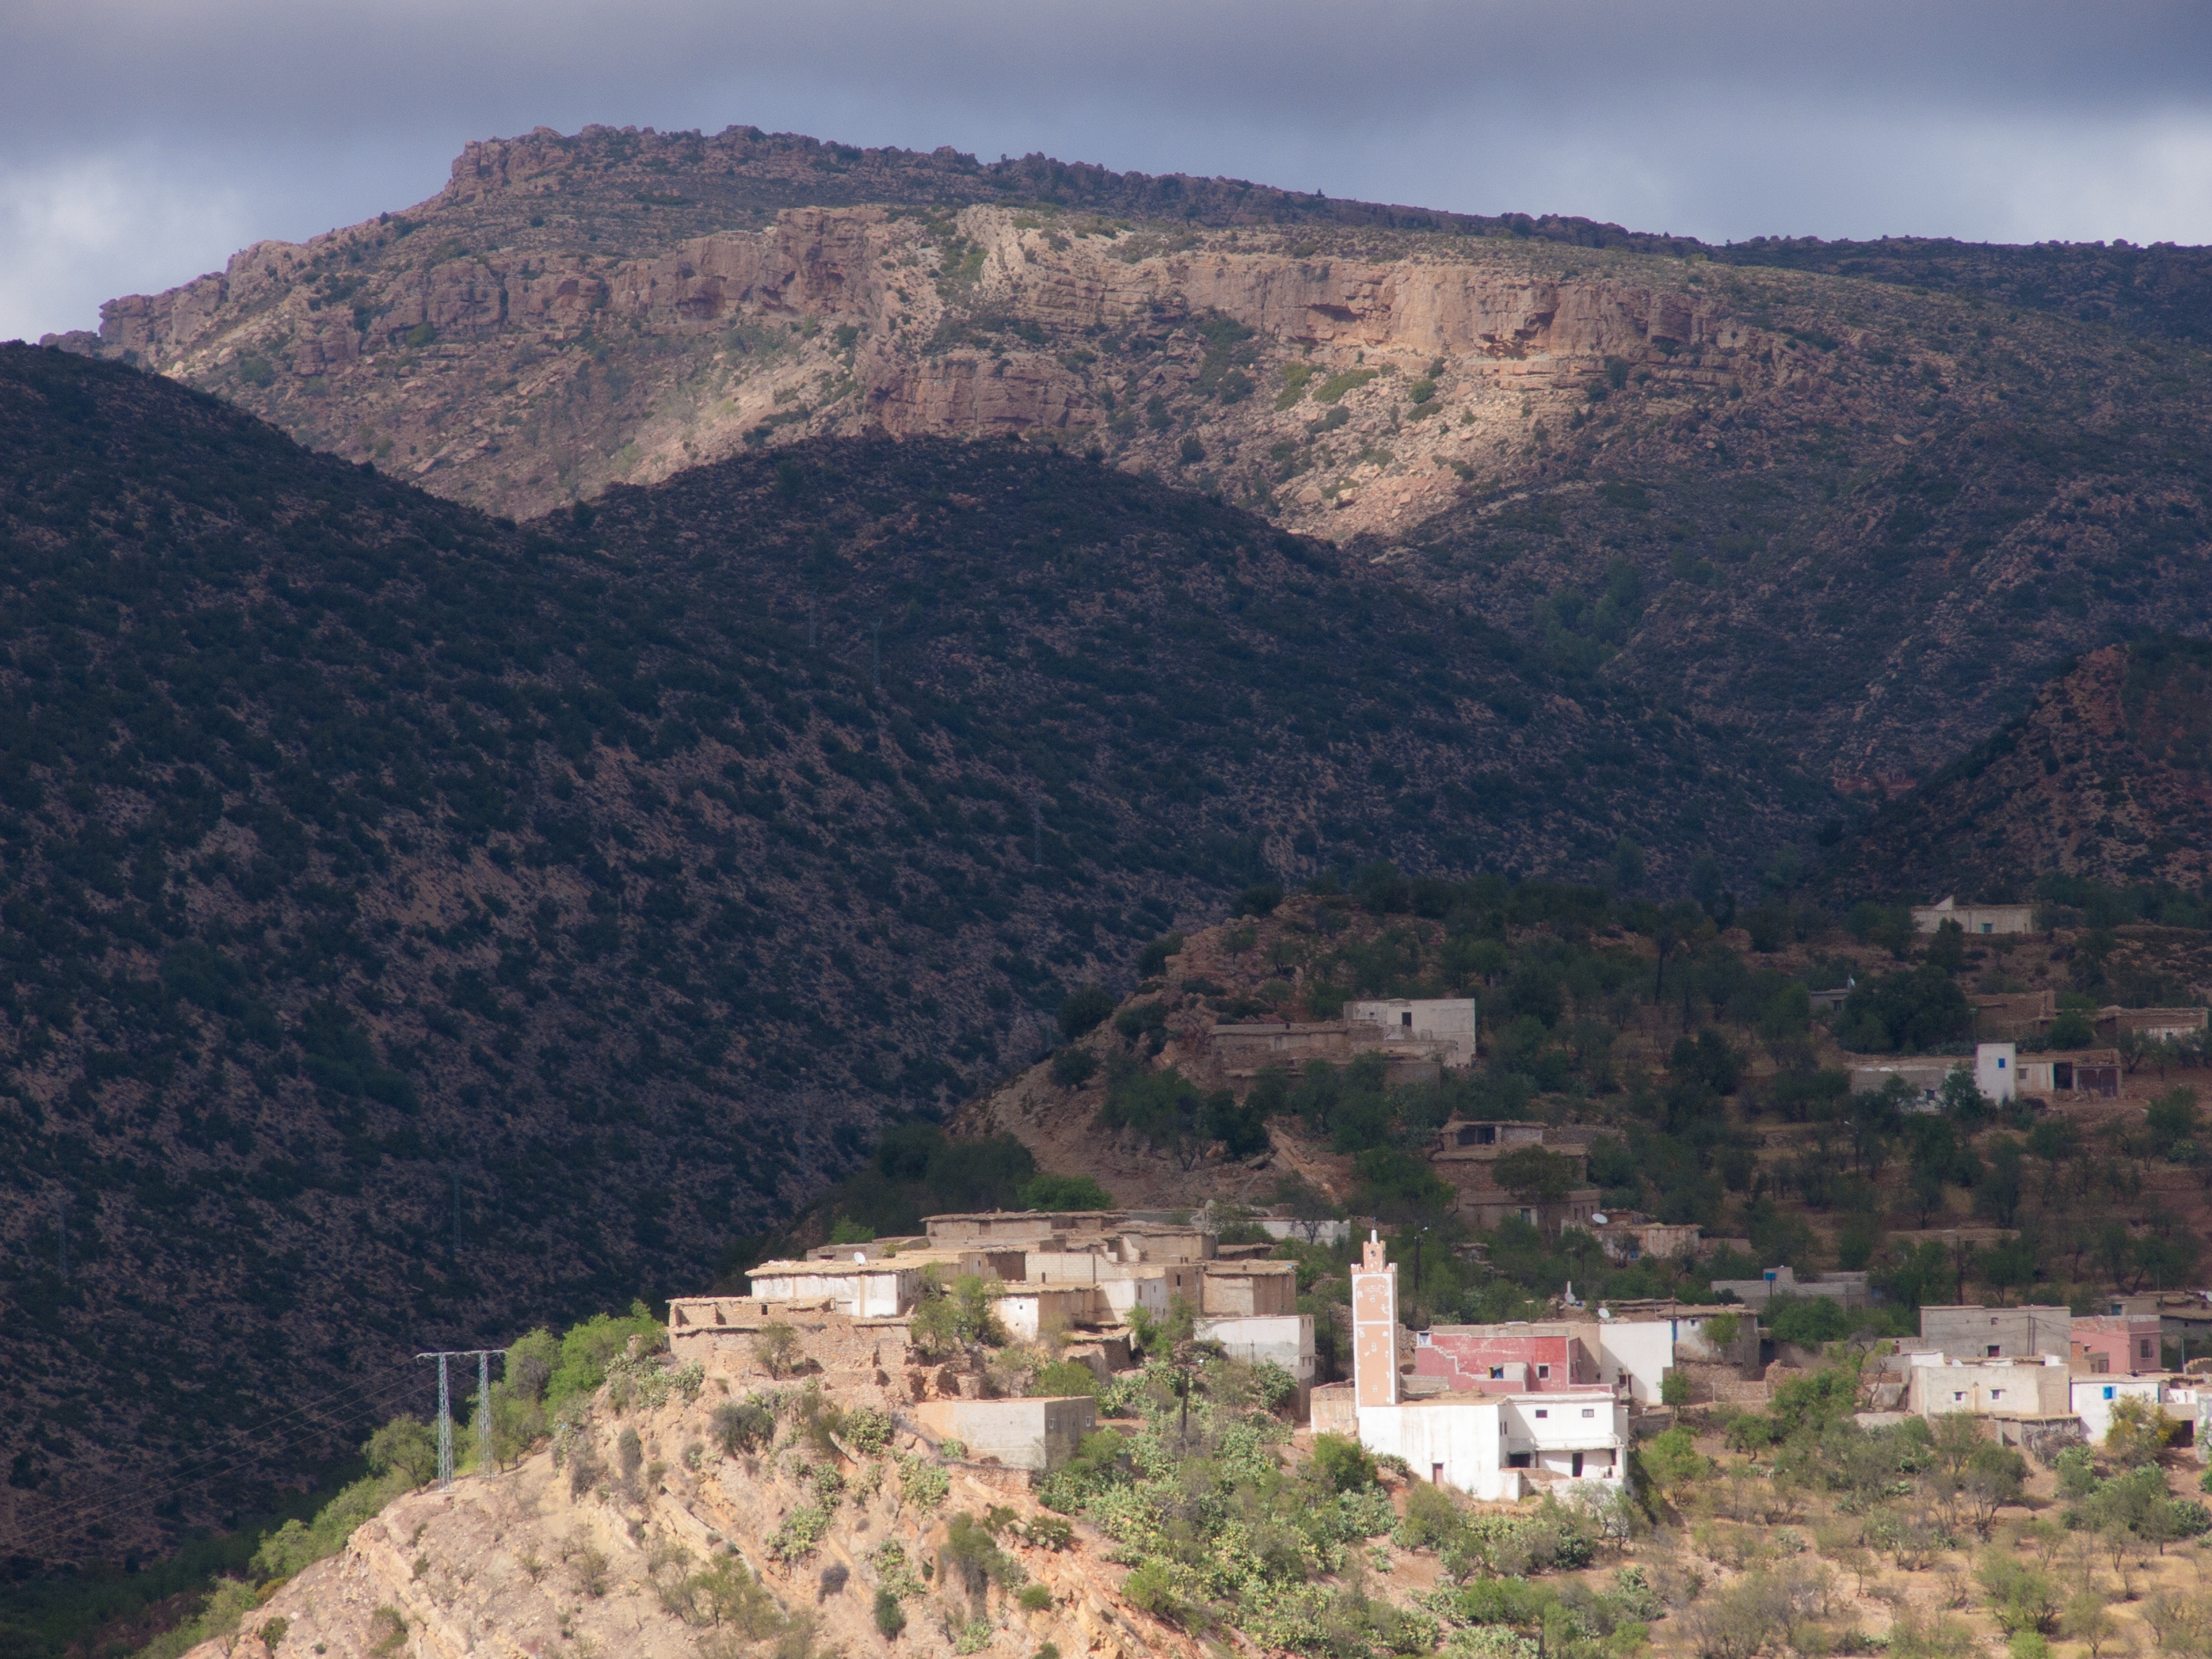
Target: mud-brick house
1466, 1152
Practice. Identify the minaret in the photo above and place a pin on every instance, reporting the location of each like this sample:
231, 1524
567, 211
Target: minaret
1374, 1326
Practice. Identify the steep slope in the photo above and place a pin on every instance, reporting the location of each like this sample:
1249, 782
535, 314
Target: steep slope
682, 1548
415, 927
2108, 776
1854, 516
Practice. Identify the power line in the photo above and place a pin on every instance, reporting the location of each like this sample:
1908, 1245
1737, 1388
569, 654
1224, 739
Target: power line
373, 1392
219, 1465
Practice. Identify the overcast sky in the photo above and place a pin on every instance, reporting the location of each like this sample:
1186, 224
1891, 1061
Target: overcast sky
142, 141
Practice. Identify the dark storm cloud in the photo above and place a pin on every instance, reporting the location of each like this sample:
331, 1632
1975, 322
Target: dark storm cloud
141, 143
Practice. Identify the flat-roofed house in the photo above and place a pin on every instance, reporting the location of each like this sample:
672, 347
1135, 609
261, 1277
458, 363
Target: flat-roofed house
1976, 919
1466, 1152
860, 1290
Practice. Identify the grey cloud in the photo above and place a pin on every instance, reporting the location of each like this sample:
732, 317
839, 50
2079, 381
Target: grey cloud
140, 141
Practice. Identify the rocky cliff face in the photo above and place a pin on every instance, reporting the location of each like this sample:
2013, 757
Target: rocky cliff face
680, 1549
1853, 518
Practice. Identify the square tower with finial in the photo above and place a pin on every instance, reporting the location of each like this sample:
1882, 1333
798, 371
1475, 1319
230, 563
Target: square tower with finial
1374, 1326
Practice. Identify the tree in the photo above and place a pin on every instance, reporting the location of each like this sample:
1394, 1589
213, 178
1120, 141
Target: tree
1535, 1176
2007, 1265
1962, 1099
775, 1345
1997, 1195
1072, 1068
403, 1447
2090, 1620
1954, 1439
1084, 1009
2138, 1432
2171, 1117
2021, 1597
1948, 950
1061, 1193
1309, 1206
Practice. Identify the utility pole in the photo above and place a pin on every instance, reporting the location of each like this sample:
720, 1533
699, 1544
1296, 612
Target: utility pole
483, 1356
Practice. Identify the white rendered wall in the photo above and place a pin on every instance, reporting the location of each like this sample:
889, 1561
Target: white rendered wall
1645, 1348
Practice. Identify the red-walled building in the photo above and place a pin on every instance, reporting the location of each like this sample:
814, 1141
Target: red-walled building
1516, 1358
2117, 1342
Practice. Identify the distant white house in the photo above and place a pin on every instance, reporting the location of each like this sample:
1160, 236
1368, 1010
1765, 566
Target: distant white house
1975, 918
1445, 1021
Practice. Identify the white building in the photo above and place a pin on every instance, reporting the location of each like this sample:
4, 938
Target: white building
1974, 918
1997, 1070
2094, 1397
1493, 1446
1448, 1021
860, 1289
1635, 1355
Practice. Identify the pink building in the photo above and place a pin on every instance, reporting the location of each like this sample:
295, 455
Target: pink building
1517, 1358
2117, 1342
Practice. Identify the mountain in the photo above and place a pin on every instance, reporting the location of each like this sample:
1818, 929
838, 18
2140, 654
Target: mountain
1854, 500
2107, 776
416, 926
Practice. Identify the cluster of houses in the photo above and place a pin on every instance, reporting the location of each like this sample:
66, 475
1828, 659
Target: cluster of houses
2042, 1374
1499, 1412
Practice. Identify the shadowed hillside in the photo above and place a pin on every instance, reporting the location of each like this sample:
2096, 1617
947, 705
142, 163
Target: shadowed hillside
2108, 776
414, 927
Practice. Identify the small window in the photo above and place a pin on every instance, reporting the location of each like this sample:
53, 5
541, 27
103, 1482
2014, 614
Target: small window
2001, 1062
1541, 1412
1406, 1018
1498, 1373
1957, 1397
1993, 1350
2108, 1391
1589, 1411
1543, 1370
1996, 1394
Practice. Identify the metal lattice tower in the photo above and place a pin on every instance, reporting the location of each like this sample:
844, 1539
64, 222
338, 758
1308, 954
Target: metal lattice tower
483, 1356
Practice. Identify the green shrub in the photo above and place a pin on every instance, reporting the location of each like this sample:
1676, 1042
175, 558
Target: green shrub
890, 1617
1341, 1464
1035, 1598
1153, 958
1064, 1376
588, 1349
1060, 1192
1072, 1067
744, 1425
1083, 1010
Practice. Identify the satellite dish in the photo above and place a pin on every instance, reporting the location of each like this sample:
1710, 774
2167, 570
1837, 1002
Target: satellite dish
1598, 1215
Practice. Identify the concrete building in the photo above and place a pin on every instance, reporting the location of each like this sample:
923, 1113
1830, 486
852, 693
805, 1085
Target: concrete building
1493, 1446
1444, 1026
1151, 1285
1997, 1070
1029, 1311
1974, 919
2035, 1387
1020, 1228
1465, 1150
1628, 1238
1966, 1331
2090, 1072
859, 1290
2094, 1398
1285, 1340
1850, 1289
1518, 1358
1248, 1287
2116, 1343
1635, 1355
2154, 1024
1040, 1433
1419, 1040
